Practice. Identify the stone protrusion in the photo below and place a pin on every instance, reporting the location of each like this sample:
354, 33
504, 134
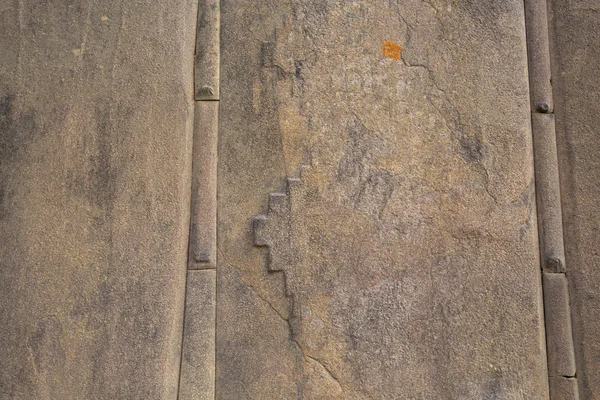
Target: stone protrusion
548, 193
559, 337
538, 51
208, 53
272, 230
203, 230
278, 203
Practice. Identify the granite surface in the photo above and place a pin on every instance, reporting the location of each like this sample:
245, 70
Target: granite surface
96, 111
397, 254
576, 80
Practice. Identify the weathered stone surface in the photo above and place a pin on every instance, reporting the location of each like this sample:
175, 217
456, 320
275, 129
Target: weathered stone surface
547, 186
538, 51
96, 105
559, 338
403, 262
207, 50
197, 380
562, 388
576, 80
203, 223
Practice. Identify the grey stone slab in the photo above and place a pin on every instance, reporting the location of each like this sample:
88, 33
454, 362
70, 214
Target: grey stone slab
203, 224
547, 188
197, 381
562, 388
96, 100
208, 50
538, 49
559, 338
576, 56
403, 263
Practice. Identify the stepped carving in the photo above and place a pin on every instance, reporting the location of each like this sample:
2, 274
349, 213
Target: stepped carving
274, 231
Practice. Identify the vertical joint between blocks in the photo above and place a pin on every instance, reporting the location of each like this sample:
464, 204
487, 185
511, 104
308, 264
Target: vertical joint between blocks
203, 229
198, 346
559, 335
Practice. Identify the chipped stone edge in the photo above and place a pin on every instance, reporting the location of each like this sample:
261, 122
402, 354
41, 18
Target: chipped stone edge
559, 335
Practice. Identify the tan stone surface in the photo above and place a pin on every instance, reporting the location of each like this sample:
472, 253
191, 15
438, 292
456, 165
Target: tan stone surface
95, 143
197, 380
559, 338
562, 388
207, 55
576, 80
403, 263
203, 221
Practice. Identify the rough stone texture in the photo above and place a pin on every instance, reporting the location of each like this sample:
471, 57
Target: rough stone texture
403, 262
576, 79
198, 354
538, 51
547, 186
559, 338
96, 105
207, 55
562, 388
203, 222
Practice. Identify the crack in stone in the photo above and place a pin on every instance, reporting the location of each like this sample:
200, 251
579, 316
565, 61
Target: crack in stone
331, 375
436, 13
286, 321
457, 122
487, 183
252, 288
458, 125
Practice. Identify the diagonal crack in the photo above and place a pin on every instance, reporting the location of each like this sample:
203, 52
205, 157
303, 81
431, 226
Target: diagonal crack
252, 288
292, 335
487, 183
457, 122
331, 375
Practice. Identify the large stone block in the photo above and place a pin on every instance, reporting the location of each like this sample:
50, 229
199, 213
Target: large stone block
403, 262
576, 80
96, 106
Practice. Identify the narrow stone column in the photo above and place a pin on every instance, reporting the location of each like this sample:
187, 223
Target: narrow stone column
559, 336
197, 380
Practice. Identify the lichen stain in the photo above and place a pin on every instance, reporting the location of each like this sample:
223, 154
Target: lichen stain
391, 49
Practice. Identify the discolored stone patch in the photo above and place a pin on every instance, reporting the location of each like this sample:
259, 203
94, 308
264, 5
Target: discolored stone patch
391, 50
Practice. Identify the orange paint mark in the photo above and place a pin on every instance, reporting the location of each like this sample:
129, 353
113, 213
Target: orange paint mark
391, 49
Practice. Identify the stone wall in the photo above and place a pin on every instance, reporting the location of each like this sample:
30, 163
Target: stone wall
302, 199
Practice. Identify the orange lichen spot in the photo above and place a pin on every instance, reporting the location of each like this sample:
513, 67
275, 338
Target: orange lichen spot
391, 49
